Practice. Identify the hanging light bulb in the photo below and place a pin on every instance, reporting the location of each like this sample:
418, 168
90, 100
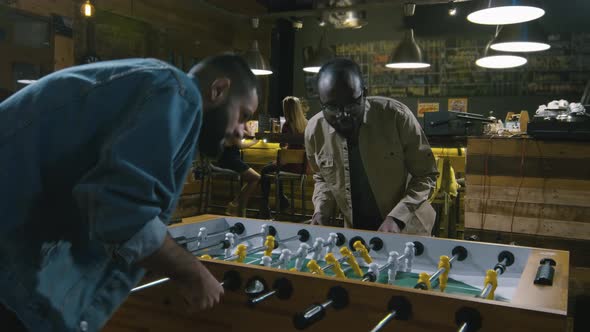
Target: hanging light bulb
452, 8
524, 37
254, 58
496, 60
256, 61
500, 12
87, 9
319, 57
408, 54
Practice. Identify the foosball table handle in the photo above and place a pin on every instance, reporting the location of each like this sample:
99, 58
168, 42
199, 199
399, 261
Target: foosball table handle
282, 288
545, 272
468, 319
231, 281
399, 308
337, 298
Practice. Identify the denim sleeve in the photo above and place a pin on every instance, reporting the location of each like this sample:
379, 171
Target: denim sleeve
140, 174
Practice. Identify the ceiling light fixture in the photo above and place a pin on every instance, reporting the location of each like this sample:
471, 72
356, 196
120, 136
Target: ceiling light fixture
492, 59
452, 8
319, 57
87, 9
524, 37
500, 12
254, 58
408, 54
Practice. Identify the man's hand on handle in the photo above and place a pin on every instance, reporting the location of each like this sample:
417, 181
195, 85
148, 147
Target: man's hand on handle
199, 288
197, 285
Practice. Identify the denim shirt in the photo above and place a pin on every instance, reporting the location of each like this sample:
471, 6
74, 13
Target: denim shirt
92, 161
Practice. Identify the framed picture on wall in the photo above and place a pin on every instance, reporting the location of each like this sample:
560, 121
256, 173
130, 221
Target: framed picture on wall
426, 108
458, 104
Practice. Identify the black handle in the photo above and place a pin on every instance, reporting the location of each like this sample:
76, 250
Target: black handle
315, 313
545, 272
337, 298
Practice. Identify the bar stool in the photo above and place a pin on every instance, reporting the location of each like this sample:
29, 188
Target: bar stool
210, 172
290, 156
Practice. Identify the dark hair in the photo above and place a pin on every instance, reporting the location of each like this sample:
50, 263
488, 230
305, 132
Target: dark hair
230, 66
341, 65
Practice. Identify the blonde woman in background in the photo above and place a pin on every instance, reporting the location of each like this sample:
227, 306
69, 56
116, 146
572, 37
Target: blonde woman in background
295, 123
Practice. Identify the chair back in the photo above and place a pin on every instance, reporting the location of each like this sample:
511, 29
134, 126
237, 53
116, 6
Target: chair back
291, 156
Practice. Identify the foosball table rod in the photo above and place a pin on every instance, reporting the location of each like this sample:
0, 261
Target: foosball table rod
237, 228
264, 232
459, 253
231, 281
468, 319
505, 259
375, 244
416, 246
223, 244
282, 288
242, 252
399, 308
337, 298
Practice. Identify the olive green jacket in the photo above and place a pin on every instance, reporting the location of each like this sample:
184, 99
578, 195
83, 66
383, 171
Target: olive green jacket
397, 159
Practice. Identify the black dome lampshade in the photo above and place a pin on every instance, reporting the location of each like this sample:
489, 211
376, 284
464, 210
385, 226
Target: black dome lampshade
523, 37
493, 59
408, 54
501, 12
258, 64
319, 57
256, 61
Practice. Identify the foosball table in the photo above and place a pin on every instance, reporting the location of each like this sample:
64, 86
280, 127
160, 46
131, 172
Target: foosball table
286, 277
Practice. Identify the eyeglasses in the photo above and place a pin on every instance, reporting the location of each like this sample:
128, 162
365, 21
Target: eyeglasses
344, 109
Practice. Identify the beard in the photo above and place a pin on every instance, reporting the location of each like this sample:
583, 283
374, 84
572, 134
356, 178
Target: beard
214, 131
345, 127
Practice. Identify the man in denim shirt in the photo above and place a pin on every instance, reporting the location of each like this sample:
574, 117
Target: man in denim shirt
92, 161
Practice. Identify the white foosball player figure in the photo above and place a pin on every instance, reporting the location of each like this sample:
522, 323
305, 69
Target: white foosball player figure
331, 242
231, 238
374, 268
201, 237
300, 255
284, 259
266, 261
409, 256
392, 267
317, 248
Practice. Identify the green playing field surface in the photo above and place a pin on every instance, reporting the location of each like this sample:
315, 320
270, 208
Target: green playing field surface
403, 279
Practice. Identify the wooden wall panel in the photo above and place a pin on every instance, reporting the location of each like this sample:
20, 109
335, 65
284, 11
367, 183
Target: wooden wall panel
529, 187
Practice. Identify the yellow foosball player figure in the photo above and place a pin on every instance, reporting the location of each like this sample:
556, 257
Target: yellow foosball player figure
492, 279
360, 247
241, 252
269, 244
336, 268
445, 264
351, 261
314, 268
424, 281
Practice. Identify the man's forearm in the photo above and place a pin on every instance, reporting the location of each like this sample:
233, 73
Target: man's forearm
417, 193
171, 260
